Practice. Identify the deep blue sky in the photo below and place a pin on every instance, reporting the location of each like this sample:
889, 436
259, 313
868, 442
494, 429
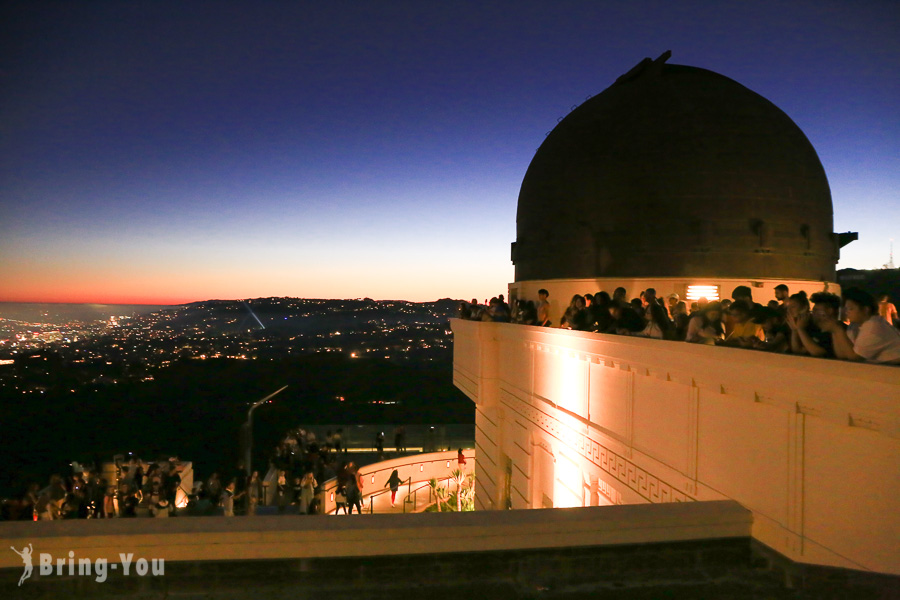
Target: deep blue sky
169, 151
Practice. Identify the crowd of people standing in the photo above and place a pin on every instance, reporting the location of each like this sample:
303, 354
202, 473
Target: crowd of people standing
854, 327
139, 489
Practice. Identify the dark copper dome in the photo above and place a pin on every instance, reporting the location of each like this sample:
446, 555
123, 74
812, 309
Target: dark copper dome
675, 171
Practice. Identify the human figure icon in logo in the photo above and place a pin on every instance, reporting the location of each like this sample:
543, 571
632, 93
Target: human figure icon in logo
26, 558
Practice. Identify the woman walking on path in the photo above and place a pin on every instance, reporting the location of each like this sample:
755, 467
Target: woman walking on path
394, 482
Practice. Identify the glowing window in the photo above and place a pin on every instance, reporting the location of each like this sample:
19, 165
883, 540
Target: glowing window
695, 292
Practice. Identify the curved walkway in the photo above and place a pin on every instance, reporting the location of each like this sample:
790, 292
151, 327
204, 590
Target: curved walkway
415, 470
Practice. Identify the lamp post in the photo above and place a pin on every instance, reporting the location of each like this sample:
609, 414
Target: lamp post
248, 430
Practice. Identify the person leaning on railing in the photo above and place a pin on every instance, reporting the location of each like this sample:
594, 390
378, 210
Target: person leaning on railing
705, 326
869, 337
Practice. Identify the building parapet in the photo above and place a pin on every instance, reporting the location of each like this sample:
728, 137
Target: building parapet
811, 446
280, 537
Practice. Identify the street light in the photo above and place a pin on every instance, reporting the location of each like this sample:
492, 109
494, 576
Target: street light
248, 429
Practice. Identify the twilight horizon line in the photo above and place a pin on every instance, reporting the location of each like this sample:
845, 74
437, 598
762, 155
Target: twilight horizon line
158, 153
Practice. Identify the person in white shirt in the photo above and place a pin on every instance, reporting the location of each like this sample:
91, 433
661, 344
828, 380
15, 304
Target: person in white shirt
869, 337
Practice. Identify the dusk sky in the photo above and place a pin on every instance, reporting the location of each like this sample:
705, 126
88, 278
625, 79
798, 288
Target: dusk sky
167, 152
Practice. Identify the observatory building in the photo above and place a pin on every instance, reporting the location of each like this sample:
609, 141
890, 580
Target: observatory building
683, 180
674, 177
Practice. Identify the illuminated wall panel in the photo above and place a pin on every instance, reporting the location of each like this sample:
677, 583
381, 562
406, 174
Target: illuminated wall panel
610, 400
546, 372
743, 452
568, 484
561, 377
467, 353
860, 480
516, 360
661, 420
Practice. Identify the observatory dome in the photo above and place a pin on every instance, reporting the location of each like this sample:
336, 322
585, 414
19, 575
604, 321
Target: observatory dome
675, 171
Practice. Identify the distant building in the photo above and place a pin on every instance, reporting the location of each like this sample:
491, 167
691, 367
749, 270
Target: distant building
676, 177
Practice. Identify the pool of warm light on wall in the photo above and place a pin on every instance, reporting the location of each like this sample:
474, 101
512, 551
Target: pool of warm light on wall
695, 292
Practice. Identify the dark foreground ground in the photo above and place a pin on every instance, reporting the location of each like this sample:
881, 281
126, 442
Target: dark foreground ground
728, 569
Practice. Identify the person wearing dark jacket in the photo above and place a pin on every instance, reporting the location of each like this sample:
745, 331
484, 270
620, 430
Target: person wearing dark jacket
394, 482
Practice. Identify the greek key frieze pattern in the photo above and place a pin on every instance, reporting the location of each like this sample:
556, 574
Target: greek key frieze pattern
647, 485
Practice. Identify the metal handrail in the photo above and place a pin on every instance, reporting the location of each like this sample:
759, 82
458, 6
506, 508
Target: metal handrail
329, 486
384, 491
411, 494
415, 494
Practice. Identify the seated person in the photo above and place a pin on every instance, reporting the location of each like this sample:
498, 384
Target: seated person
807, 333
705, 326
744, 332
464, 311
626, 320
658, 326
798, 318
777, 333
681, 319
498, 310
600, 318
475, 310
869, 337
526, 313
727, 321
576, 315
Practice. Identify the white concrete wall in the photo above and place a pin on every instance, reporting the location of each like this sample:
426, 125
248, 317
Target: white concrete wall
810, 446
